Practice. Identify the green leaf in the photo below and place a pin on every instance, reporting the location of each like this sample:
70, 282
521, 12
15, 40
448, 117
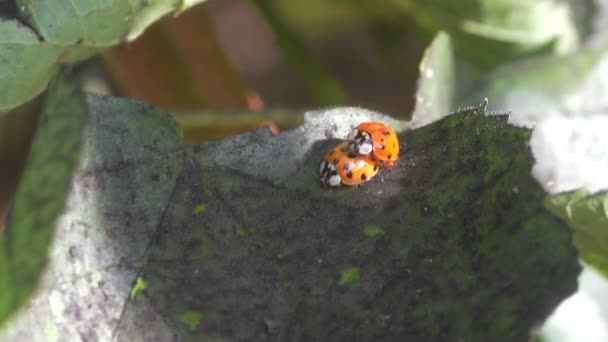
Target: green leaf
63, 31
113, 207
536, 87
491, 32
41, 196
79, 21
587, 215
435, 83
26, 65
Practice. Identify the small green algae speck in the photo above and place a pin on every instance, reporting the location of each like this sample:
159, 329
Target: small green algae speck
52, 333
139, 287
350, 275
199, 209
373, 231
240, 230
192, 319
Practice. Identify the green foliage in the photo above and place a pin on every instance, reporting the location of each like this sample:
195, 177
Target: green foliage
533, 87
491, 32
41, 197
67, 149
26, 64
60, 32
588, 217
486, 33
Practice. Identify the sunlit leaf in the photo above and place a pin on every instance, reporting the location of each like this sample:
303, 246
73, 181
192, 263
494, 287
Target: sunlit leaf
448, 264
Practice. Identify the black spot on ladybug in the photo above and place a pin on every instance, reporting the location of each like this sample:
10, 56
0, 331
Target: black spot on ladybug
364, 177
383, 147
390, 156
375, 167
382, 140
349, 174
386, 132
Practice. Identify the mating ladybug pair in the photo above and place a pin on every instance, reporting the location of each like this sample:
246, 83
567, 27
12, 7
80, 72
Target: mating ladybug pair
368, 148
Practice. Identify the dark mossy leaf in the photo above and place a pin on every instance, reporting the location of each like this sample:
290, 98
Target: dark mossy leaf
467, 251
587, 215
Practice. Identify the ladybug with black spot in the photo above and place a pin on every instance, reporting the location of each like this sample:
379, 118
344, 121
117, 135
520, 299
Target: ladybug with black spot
342, 167
376, 140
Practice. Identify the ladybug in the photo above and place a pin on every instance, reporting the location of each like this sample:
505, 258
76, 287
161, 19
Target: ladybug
375, 139
341, 166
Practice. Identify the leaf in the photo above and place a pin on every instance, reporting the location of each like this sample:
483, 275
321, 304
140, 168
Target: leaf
542, 86
587, 215
448, 265
41, 195
126, 170
26, 65
436, 82
488, 33
57, 32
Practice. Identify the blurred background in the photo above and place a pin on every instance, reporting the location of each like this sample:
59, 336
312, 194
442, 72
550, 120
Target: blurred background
256, 55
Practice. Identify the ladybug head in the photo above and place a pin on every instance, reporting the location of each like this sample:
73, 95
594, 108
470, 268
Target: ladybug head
360, 142
329, 174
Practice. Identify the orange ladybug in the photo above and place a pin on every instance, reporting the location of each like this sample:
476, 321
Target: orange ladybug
341, 166
375, 139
